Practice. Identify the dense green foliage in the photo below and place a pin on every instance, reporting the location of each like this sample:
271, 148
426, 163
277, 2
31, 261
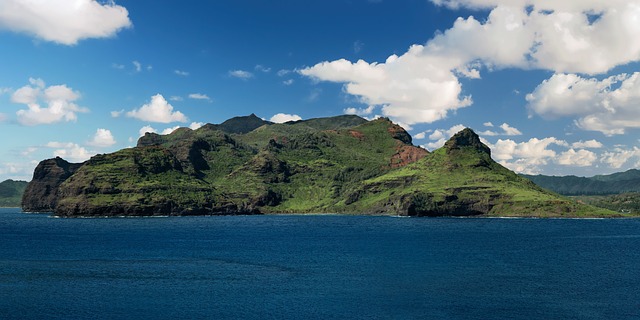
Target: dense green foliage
342, 164
628, 181
11, 193
628, 203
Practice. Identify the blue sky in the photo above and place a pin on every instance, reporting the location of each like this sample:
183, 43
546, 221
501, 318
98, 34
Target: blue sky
552, 87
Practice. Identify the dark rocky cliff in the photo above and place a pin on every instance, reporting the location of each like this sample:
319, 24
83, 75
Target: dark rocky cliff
41, 194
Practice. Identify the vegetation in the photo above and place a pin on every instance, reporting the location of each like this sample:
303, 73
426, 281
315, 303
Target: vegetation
628, 181
627, 203
342, 164
11, 193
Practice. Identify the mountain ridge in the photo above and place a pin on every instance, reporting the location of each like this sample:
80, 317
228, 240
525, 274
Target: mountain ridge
342, 164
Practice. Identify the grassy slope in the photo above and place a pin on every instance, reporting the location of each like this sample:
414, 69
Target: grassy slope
322, 165
11, 193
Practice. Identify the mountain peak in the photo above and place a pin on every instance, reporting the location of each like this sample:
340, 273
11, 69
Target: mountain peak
466, 138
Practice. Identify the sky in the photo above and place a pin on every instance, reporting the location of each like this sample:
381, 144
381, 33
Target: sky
552, 87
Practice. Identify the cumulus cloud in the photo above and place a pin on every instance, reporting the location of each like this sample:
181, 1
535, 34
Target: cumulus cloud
619, 157
146, 129
580, 158
158, 110
192, 126
62, 21
525, 157
102, 138
116, 114
439, 136
283, 117
59, 100
70, 151
241, 74
589, 144
507, 130
594, 103
199, 96
360, 111
422, 85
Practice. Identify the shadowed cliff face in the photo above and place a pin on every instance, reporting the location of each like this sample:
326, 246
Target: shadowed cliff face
41, 193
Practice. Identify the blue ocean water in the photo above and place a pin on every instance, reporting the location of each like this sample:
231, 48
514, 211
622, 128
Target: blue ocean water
317, 267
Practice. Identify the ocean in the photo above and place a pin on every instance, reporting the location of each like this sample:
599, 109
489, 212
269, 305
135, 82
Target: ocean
318, 267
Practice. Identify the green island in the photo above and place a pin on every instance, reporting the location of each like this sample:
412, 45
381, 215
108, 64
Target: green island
342, 165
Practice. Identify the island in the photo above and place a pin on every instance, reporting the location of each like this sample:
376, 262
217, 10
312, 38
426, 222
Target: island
246, 165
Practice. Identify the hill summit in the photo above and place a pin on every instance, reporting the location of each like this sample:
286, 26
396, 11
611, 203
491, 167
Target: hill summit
246, 165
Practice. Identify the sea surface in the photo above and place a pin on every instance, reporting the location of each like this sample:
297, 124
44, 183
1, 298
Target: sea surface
317, 267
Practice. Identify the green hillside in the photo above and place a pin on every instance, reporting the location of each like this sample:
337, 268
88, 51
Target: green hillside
11, 193
628, 181
342, 164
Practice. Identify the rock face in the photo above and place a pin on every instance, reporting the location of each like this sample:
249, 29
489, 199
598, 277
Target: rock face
41, 194
343, 164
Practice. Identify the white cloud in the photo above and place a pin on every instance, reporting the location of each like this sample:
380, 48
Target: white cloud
507, 130
176, 98
60, 101
158, 110
146, 129
438, 137
619, 157
62, 21
525, 157
589, 144
360, 111
18, 171
288, 82
117, 114
580, 158
262, 68
117, 66
488, 124
102, 138
283, 117
192, 126
596, 105
422, 85
283, 72
137, 66
199, 96
241, 74
196, 125
70, 151
181, 73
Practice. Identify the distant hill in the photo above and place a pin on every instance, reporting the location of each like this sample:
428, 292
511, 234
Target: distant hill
628, 203
11, 193
628, 181
246, 165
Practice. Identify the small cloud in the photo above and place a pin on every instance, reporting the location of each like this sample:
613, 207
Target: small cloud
176, 98
196, 125
283, 72
116, 114
262, 68
70, 151
283, 117
137, 66
158, 110
314, 95
507, 130
199, 96
117, 66
241, 74
102, 138
288, 82
590, 144
146, 129
181, 73
60, 101
357, 46
488, 124
359, 111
